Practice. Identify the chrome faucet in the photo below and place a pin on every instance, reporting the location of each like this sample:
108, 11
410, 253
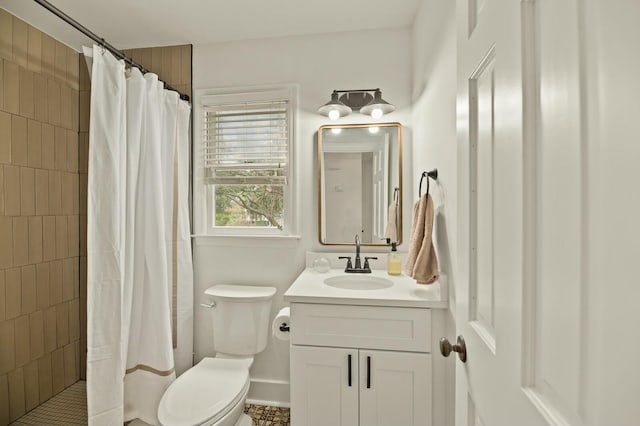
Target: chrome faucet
358, 269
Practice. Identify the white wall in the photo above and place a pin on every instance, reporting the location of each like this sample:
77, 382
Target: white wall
434, 146
318, 64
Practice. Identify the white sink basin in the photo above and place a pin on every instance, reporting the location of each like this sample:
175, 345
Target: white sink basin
358, 282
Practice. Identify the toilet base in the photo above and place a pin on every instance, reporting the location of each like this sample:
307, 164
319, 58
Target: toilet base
244, 420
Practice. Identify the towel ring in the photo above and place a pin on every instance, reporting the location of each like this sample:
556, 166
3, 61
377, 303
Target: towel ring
433, 174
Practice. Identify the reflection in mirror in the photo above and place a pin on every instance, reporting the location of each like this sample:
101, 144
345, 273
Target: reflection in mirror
360, 174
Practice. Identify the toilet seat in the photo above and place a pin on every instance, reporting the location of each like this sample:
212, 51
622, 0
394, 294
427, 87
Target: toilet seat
205, 393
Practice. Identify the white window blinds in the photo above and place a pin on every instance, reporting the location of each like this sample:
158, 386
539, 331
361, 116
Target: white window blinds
246, 143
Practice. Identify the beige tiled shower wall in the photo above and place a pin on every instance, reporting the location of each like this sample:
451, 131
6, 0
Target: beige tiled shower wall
40, 325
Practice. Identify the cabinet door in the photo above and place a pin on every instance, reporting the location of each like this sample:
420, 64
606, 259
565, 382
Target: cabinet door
324, 389
395, 388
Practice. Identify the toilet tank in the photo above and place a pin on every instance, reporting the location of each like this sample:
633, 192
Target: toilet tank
240, 318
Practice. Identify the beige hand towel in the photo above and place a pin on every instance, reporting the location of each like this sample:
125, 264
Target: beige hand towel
391, 231
422, 263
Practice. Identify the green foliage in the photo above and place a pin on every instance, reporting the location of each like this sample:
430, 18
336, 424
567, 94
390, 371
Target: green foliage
249, 205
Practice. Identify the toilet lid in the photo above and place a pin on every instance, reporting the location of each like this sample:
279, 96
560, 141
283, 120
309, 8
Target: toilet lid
204, 393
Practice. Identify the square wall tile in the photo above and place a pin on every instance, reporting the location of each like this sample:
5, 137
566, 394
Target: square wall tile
65, 106
67, 193
34, 50
35, 239
6, 36
55, 282
16, 394
45, 390
27, 191
50, 333
60, 149
4, 384
40, 101
6, 242
11, 87
20, 241
85, 108
1, 84
5, 136
19, 140
48, 146
23, 354
72, 151
62, 324
3, 296
53, 98
57, 370
32, 399
20, 41
13, 283
11, 190
28, 289
74, 239
62, 246
73, 69
55, 192
48, 55
42, 192
34, 143
42, 286
60, 70
26, 93
7, 349
48, 238
74, 320
70, 371
68, 282
36, 334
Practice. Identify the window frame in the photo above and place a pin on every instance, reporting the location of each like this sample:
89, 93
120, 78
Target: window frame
204, 198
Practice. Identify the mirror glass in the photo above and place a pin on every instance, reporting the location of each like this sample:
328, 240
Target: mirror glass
360, 181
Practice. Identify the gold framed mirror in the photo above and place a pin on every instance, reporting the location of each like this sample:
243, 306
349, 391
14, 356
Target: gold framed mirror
360, 183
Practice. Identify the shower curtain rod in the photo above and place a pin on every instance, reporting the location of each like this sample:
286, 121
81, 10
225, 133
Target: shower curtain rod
93, 36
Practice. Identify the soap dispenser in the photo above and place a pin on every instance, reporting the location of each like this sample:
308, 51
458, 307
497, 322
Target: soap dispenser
394, 264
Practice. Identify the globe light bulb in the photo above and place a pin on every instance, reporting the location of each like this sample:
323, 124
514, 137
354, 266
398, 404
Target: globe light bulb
334, 114
336, 131
376, 113
374, 129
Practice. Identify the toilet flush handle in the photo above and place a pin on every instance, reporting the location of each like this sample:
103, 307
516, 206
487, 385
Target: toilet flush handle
208, 305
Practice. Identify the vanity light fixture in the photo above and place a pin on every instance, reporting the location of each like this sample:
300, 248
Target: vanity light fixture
361, 100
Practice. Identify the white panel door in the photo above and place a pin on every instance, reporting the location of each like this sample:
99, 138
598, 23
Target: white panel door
490, 263
324, 390
548, 201
395, 388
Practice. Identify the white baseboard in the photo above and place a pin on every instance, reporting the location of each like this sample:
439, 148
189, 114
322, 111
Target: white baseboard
269, 392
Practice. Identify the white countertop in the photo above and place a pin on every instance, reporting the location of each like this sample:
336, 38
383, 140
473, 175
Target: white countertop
309, 287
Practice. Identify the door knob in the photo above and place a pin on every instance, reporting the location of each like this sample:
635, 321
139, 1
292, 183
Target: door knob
446, 348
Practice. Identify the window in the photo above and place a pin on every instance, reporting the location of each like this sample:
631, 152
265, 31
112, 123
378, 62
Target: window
245, 162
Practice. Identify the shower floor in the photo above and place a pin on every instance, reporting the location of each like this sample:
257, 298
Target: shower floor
69, 408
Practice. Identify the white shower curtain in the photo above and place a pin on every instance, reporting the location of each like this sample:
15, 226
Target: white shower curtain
136, 128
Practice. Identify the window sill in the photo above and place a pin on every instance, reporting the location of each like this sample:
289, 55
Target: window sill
246, 240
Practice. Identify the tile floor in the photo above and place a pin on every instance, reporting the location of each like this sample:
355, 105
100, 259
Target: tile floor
69, 408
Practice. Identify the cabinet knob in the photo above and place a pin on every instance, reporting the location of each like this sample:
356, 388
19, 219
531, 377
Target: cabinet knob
446, 348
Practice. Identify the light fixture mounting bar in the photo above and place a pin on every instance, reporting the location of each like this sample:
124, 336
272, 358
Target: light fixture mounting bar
356, 90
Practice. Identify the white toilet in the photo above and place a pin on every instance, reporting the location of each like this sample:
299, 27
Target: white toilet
214, 391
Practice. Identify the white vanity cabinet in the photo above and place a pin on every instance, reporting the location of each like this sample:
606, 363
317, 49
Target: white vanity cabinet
360, 365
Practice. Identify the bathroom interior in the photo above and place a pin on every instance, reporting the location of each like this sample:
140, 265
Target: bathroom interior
349, 212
